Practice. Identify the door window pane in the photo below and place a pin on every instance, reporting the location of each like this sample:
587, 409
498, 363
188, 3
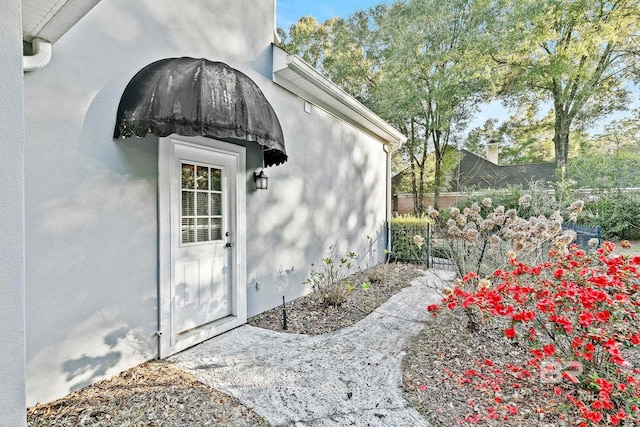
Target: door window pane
188, 203
216, 228
188, 235
187, 176
216, 179
202, 230
202, 181
203, 203
216, 203
201, 218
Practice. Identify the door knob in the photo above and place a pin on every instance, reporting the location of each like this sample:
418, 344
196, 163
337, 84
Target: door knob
228, 245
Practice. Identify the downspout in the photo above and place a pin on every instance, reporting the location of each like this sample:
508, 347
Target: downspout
387, 150
41, 55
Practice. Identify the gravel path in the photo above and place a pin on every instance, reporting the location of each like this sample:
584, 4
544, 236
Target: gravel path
349, 377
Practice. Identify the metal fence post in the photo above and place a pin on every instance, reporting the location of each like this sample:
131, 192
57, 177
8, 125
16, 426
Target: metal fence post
428, 234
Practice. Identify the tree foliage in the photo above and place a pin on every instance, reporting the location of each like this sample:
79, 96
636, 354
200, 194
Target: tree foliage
426, 65
403, 181
414, 64
431, 72
577, 55
602, 171
621, 136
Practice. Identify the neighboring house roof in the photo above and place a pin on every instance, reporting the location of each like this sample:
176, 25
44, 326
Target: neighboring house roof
397, 178
475, 172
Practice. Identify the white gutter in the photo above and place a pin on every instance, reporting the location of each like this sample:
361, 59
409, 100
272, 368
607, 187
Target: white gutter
295, 75
388, 198
41, 55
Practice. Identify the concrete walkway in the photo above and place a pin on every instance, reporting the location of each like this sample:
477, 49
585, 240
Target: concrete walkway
352, 377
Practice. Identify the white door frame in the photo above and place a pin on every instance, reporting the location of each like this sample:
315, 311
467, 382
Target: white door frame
169, 341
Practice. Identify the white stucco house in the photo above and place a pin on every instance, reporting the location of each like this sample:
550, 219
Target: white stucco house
133, 143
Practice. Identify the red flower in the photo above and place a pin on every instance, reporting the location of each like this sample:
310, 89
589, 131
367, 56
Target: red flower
549, 349
562, 321
603, 316
585, 319
432, 308
576, 343
468, 301
594, 416
510, 333
472, 275
524, 316
545, 305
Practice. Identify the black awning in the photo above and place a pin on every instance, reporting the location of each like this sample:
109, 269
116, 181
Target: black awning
192, 97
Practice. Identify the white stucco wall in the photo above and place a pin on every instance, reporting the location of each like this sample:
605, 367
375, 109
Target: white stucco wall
12, 331
91, 202
330, 192
91, 206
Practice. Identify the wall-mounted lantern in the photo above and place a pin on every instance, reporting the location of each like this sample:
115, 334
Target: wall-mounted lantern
261, 180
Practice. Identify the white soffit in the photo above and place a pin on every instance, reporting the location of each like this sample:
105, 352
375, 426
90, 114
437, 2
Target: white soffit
297, 76
50, 19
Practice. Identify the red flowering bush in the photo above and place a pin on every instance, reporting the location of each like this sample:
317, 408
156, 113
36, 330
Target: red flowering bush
578, 315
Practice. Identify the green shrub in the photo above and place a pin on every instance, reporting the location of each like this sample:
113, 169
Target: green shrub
616, 212
604, 171
405, 243
410, 221
327, 278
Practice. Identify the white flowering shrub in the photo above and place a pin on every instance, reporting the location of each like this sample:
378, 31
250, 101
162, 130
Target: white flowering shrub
480, 238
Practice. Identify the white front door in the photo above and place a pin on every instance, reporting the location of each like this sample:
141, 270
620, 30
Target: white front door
202, 283
202, 290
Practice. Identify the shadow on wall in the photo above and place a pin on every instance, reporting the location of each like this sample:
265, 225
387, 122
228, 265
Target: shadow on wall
82, 371
331, 193
92, 299
114, 31
105, 346
85, 370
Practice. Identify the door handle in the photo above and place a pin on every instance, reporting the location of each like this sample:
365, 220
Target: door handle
228, 245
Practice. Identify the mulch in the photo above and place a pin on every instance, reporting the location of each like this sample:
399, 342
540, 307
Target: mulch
312, 315
152, 394
457, 377
158, 394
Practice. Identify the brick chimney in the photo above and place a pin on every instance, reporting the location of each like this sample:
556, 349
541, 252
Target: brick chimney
492, 152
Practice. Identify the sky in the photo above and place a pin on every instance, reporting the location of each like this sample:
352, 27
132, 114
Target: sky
288, 12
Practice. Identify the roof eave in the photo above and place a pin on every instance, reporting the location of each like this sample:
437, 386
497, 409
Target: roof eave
295, 75
53, 23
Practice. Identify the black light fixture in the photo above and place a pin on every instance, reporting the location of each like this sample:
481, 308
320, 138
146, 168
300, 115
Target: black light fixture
261, 180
